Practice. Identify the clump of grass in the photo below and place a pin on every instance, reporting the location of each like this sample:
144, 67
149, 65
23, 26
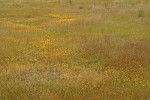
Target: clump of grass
141, 13
70, 2
81, 7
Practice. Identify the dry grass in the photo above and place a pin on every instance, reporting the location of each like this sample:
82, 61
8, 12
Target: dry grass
128, 54
74, 50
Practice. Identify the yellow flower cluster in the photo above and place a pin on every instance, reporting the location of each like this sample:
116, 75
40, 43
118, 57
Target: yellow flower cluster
60, 19
60, 54
58, 15
65, 20
52, 15
43, 45
21, 27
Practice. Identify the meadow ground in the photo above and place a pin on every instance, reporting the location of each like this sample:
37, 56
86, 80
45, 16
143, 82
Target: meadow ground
74, 50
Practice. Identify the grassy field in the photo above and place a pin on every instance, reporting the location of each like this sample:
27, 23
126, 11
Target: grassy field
74, 49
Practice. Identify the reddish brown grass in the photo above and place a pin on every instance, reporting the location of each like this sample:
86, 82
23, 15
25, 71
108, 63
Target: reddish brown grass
115, 53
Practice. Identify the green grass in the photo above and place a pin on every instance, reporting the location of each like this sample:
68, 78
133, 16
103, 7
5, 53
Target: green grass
74, 50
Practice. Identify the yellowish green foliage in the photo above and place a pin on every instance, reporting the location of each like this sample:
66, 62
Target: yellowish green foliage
74, 50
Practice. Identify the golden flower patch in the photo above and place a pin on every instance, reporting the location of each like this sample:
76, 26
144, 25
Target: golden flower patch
16, 27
